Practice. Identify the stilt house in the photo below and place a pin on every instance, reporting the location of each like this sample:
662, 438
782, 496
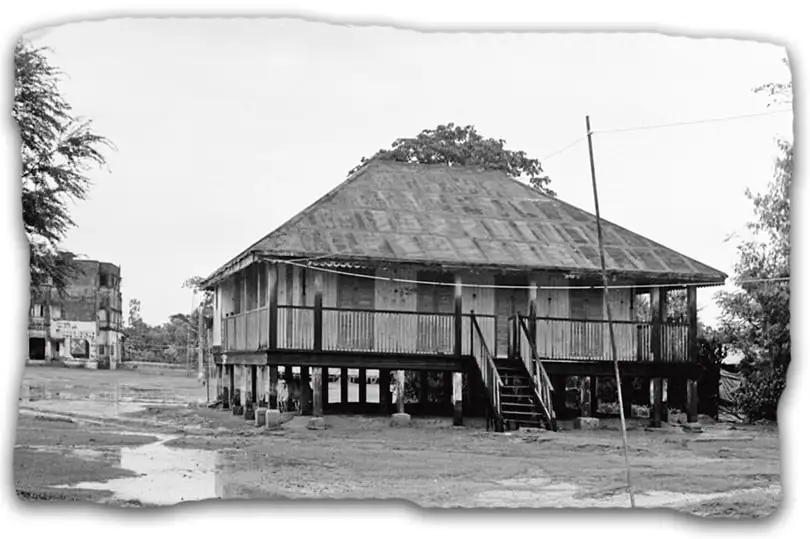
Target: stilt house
455, 270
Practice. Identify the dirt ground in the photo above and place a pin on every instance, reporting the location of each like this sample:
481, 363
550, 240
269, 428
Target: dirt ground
158, 444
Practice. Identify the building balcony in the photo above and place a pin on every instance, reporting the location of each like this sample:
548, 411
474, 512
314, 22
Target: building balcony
329, 329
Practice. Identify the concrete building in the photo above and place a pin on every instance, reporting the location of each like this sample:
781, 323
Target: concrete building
82, 326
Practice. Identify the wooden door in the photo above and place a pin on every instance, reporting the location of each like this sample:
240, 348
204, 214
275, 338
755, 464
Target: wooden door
587, 338
434, 333
355, 329
508, 302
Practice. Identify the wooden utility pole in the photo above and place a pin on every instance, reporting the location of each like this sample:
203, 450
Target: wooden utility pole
607, 311
200, 340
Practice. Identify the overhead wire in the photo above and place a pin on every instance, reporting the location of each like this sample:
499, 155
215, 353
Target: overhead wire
663, 125
296, 261
520, 287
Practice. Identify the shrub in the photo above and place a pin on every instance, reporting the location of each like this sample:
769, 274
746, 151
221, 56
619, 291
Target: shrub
759, 393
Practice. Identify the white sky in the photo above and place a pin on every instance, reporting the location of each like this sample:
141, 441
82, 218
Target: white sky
225, 128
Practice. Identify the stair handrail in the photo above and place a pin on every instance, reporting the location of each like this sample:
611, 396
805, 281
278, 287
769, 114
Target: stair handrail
542, 386
486, 367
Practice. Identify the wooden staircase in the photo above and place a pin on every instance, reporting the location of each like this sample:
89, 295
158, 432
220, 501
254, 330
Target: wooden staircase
517, 396
518, 388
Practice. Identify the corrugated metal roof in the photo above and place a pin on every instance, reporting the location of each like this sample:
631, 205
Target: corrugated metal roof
436, 214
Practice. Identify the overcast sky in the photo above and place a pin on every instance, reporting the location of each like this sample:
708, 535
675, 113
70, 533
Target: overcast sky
225, 128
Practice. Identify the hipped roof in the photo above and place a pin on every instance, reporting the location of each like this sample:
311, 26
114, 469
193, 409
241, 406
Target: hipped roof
441, 215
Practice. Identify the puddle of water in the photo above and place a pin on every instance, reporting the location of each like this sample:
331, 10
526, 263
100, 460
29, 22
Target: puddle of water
170, 475
166, 475
541, 493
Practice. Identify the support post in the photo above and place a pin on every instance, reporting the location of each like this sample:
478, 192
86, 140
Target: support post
458, 419
658, 305
423, 391
254, 386
447, 385
318, 315
385, 390
594, 401
362, 378
533, 311
243, 306
226, 387
627, 397
585, 396
232, 384
317, 395
691, 311
658, 402
344, 387
220, 384
658, 308
325, 388
272, 398
400, 377
244, 397
260, 383
306, 392
288, 380
458, 316
272, 307
692, 401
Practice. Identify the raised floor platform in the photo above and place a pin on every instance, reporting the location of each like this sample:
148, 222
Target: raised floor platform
351, 360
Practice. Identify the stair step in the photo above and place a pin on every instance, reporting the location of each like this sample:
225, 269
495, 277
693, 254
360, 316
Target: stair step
508, 413
518, 407
516, 396
511, 388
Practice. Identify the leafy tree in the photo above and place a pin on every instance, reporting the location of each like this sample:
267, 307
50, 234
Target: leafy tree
135, 320
452, 144
57, 151
756, 318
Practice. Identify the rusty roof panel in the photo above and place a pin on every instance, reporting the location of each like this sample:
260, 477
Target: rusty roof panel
435, 214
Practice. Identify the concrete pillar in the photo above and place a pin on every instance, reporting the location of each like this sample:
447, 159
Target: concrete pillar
384, 380
272, 395
306, 392
317, 391
245, 382
692, 401
457, 399
400, 391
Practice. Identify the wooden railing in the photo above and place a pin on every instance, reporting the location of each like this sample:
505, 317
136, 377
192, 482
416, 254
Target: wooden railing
524, 348
484, 359
408, 332
354, 330
565, 339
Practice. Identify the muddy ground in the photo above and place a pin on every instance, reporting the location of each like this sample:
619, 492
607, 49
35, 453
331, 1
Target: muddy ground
158, 447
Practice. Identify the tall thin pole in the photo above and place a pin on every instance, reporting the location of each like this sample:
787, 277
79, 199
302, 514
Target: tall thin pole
607, 310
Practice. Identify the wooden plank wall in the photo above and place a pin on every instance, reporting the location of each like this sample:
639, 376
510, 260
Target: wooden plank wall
482, 301
626, 334
216, 334
551, 303
395, 296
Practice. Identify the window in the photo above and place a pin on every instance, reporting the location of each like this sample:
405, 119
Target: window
102, 349
112, 351
37, 309
56, 312
103, 280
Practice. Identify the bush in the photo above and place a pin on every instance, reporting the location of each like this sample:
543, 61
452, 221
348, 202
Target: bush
759, 393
